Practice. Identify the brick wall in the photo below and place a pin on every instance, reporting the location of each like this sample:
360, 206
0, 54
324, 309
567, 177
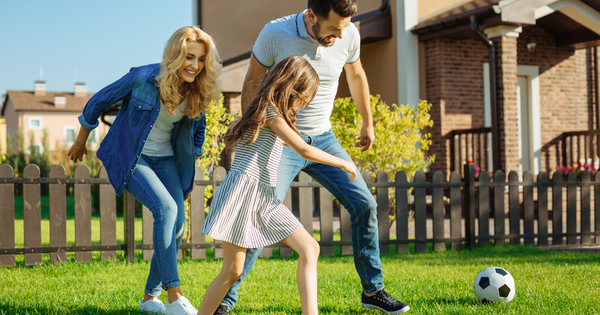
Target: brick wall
454, 70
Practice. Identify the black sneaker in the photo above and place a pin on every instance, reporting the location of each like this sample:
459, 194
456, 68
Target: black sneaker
384, 302
222, 310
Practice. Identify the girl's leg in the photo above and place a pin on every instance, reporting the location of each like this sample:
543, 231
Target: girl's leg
233, 267
306, 274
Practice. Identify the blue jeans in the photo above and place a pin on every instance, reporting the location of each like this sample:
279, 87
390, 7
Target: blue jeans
156, 184
353, 194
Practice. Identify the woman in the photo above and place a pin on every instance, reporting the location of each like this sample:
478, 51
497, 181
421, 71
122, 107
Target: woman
151, 148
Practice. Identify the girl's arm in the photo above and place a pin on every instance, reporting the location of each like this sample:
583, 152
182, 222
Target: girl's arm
306, 151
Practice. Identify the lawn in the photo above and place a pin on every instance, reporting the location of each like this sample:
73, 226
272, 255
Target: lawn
547, 282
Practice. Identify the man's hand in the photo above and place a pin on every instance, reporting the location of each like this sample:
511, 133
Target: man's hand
367, 137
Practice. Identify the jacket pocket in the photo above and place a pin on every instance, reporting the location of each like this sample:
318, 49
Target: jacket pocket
139, 111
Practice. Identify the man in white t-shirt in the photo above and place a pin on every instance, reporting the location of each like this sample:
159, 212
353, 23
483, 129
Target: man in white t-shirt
324, 35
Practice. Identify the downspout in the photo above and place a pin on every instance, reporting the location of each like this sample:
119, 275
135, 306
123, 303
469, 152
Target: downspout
384, 4
596, 91
493, 100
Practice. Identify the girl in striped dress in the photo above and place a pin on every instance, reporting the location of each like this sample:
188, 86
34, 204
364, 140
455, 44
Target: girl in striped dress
244, 212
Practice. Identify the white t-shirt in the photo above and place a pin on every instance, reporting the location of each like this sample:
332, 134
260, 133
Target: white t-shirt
159, 140
287, 36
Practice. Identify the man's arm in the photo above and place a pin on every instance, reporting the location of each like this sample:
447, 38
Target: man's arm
359, 89
256, 72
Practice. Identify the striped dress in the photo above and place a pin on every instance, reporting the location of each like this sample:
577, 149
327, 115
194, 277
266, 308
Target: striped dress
245, 210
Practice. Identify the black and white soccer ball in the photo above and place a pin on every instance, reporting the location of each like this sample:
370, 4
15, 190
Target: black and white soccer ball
494, 284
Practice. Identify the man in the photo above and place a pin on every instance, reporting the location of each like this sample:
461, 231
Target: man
324, 36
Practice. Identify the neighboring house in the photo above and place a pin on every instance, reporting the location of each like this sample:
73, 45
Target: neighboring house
55, 112
545, 68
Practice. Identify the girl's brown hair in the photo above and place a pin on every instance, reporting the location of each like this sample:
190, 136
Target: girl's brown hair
207, 85
289, 87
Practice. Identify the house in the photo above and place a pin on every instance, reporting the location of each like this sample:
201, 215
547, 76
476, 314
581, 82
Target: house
534, 109
39, 110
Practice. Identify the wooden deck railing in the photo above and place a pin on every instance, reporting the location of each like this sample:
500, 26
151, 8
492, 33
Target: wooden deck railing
475, 213
580, 146
469, 145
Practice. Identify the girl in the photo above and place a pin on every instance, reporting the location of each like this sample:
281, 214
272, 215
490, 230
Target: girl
151, 148
244, 212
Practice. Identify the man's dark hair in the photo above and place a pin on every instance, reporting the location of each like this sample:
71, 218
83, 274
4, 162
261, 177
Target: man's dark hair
343, 8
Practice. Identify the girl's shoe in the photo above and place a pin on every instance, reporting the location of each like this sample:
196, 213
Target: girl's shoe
154, 306
180, 307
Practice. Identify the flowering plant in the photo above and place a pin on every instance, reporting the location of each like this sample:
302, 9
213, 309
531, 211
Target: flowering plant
579, 169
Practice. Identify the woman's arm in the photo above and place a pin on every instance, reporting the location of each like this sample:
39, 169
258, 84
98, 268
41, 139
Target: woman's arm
306, 151
79, 148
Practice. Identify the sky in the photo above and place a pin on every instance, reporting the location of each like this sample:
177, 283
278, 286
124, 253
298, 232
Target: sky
95, 42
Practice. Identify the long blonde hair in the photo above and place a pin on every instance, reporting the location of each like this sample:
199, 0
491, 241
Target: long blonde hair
207, 85
289, 87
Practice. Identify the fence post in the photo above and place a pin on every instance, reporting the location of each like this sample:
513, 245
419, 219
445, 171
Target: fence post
32, 215
469, 171
129, 227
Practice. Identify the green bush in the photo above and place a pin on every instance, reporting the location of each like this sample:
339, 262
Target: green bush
400, 144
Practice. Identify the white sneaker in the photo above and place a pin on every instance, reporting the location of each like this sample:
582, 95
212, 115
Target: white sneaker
154, 306
180, 307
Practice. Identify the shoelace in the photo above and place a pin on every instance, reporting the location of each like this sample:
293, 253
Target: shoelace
385, 297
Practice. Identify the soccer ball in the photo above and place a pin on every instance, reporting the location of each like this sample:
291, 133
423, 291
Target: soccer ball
494, 284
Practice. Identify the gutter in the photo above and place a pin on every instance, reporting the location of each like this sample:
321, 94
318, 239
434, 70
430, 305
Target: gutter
493, 98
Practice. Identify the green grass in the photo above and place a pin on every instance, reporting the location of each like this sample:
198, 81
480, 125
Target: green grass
547, 282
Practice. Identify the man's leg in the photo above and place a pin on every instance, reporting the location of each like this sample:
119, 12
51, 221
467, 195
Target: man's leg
290, 165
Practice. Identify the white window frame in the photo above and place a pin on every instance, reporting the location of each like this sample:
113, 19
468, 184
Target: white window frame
65, 130
33, 118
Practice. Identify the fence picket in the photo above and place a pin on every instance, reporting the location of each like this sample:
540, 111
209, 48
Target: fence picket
499, 215
83, 213
597, 209
326, 218
469, 171
32, 215
129, 226
484, 208
57, 199
305, 209
455, 210
108, 217
7, 213
528, 211
420, 213
383, 209
557, 209
542, 209
571, 208
585, 209
219, 174
514, 208
345, 230
438, 211
401, 212
147, 231
197, 216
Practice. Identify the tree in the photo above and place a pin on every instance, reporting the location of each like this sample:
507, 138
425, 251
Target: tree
400, 144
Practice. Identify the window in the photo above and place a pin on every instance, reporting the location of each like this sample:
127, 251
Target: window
35, 123
69, 134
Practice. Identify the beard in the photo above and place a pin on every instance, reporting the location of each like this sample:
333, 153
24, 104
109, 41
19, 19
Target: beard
316, 28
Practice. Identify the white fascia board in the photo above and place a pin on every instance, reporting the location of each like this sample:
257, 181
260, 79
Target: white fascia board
574, 9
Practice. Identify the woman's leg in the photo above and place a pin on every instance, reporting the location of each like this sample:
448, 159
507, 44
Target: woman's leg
233, 267
306, 274
156, 184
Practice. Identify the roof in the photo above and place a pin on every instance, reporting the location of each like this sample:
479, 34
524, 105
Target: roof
27, 101
454, 22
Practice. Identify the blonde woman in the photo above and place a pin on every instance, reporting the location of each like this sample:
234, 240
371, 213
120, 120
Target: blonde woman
151, 148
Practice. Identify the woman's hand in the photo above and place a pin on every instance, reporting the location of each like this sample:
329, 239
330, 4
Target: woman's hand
350, 168
78, 149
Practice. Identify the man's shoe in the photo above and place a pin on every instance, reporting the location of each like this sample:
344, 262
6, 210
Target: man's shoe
180, 307
222, 310
384, 302
154, 306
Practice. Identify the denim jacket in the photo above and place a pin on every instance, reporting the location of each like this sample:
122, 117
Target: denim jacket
122, 146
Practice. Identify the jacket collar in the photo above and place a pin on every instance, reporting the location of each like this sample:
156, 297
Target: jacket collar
155, 71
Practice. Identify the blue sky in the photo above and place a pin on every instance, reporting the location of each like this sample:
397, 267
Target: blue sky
95, 42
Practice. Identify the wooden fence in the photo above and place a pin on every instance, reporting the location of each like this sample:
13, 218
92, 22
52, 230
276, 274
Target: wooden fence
459, 212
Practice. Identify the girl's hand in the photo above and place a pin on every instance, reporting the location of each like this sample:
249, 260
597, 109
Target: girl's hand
77, 151
350, 168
